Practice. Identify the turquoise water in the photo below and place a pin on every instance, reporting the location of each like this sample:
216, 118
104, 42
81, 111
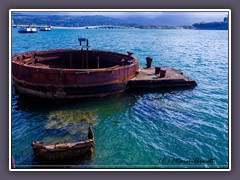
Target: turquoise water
150, 129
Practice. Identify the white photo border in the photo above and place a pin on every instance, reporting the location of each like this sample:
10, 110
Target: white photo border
121, 10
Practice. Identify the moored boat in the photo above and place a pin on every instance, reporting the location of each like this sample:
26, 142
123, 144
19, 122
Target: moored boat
27, 30
45, 28
62, 151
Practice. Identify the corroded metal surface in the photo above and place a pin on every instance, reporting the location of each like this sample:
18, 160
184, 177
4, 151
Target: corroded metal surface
61, 73
147, 78
64, 150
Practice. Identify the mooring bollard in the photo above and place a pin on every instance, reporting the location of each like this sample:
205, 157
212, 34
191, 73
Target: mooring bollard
157, 69
162, 73
149, 61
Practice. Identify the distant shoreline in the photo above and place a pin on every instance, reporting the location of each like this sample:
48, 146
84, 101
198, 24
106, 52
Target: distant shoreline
63, 27
82, 27
108, 27
125, 27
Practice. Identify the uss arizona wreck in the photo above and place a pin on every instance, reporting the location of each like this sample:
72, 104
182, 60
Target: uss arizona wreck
68, 74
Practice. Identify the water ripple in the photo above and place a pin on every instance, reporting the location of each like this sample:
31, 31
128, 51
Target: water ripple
136, 129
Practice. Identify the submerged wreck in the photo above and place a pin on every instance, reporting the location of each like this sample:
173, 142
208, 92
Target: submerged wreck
68, 74
63, 151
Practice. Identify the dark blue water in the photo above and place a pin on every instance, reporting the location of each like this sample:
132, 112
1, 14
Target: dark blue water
143, 129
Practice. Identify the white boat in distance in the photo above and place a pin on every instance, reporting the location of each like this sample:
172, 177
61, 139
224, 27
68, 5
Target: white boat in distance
45, 28
27, 30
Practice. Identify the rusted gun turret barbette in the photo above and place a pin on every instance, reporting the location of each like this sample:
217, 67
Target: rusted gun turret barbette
68, 74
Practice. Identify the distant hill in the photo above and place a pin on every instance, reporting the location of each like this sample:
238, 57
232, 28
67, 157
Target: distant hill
212, 25
66, 20
165, 19
168, 20
172, 18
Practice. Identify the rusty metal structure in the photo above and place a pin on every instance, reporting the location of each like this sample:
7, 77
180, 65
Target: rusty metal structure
70, 74
63, 151
63, 74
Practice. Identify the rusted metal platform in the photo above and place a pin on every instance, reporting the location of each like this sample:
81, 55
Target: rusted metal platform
147, 78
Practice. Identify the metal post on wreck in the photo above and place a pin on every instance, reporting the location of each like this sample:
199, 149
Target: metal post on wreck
149, 62
82, 46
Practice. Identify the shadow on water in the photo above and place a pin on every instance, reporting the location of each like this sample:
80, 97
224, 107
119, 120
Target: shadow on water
82, 161
26, 102
35, 103
170, 90
29, 103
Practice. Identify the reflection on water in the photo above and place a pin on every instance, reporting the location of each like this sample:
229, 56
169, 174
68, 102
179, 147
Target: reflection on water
76, 162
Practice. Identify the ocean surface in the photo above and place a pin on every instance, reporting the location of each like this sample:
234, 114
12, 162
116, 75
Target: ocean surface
187, 128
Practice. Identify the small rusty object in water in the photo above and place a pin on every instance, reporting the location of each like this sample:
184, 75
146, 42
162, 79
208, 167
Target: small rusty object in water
62, 151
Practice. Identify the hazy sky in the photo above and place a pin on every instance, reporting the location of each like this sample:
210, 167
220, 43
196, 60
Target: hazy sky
153, 14
167, 18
